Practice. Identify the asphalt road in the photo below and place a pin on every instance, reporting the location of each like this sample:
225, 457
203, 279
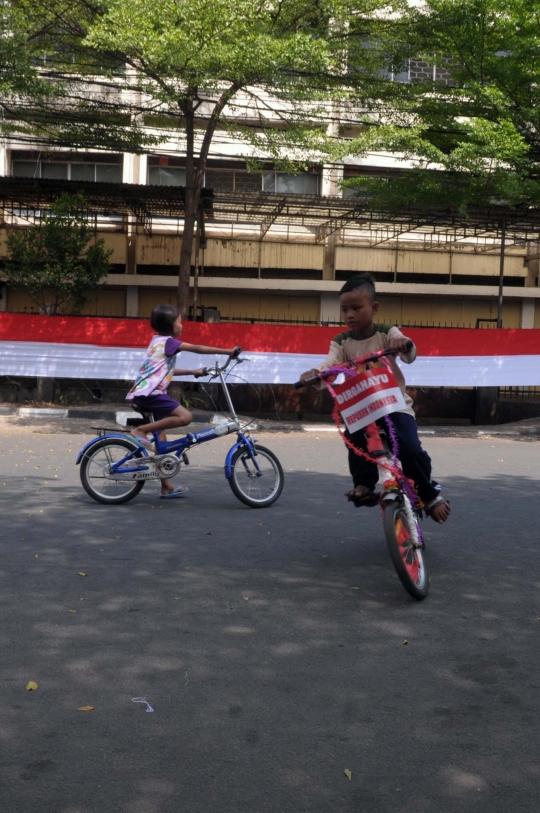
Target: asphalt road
270, 643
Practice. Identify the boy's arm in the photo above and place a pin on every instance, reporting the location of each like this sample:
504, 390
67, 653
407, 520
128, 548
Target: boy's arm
397, 341
335, 356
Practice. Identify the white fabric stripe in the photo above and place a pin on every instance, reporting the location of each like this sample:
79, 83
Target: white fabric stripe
91, 361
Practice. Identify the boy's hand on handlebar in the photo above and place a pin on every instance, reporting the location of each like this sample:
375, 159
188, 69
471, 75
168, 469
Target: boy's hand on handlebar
235, 352
308, 374
401, 343
202, 371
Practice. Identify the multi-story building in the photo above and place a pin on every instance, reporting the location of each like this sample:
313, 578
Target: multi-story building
276, 269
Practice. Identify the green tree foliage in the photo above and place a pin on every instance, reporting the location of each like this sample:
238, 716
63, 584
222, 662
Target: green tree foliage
473, 131
57, 263
273, 73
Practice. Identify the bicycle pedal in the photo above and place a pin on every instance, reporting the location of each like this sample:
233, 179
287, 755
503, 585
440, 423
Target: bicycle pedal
185, 459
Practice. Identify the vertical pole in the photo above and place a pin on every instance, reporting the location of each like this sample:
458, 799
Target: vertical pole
196, 269
501, 274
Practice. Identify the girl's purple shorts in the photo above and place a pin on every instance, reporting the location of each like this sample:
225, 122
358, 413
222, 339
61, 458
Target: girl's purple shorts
160, 405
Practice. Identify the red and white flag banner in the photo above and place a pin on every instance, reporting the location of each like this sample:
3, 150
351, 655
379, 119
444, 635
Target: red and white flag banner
102, 348
368, 396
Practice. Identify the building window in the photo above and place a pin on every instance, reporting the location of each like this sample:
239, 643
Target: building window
166, 176
303, 184
26, 169
54, 170
67, 171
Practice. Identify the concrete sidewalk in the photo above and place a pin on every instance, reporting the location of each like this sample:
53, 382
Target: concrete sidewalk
81, 419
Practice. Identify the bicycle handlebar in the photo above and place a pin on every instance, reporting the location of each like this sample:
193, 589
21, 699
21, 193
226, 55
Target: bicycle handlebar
360, 360
216, 369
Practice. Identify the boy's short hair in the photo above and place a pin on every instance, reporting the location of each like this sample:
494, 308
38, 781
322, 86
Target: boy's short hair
163, 318
363, 280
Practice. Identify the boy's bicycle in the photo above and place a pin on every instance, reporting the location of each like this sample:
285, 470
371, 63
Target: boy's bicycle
400, 505
114, 467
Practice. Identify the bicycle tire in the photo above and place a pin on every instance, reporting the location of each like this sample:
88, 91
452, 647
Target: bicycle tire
242, 479
408, 561
89, 458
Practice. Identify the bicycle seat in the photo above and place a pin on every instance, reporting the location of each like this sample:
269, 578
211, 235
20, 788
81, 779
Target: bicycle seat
147, 417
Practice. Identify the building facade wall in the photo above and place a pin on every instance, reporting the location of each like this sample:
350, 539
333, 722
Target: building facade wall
285, 255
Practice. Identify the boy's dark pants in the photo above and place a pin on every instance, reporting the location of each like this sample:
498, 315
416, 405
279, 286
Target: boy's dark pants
415, 461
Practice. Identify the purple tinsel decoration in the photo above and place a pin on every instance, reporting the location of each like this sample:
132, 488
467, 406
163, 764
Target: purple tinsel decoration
395, 452
347, 371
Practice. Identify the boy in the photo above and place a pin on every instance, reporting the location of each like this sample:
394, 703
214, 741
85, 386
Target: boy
358, 307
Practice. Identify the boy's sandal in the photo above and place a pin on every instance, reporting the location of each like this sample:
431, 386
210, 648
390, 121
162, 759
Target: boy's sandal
435, 504
366, 497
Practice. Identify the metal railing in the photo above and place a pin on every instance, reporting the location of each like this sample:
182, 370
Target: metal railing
104, 311
519, 394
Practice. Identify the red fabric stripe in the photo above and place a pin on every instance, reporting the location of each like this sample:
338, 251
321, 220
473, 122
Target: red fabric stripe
261, 338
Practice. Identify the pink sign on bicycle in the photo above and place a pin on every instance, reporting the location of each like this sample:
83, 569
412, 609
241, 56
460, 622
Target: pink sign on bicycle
368, 396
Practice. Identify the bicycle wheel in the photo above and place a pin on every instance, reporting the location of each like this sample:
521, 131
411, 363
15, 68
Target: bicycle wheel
258, 489
96, 461
408, 560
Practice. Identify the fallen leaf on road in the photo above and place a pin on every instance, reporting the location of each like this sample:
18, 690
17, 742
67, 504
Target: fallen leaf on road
405, 643
72, 611
355, 588
36, 555
324, 556
86, 708
209, 533
348, 774
80, 573
246, 598
31, 686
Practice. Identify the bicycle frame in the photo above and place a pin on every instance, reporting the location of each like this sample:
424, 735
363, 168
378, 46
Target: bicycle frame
183, 444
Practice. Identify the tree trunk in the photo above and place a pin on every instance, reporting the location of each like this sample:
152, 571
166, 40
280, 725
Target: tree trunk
193, 191
184, 271
45, 386
45, 390
195, 169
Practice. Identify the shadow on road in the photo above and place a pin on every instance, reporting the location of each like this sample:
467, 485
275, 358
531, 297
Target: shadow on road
277, 647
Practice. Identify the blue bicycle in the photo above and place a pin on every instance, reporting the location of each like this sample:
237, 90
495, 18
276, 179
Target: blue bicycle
114, 468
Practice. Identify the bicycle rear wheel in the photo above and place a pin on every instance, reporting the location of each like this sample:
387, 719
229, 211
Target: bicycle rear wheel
407, 558
95, 466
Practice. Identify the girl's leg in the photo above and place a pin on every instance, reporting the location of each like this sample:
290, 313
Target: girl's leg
167, 485
180, 417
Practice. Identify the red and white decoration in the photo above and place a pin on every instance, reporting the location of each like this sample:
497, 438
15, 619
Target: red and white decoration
90, 347
368, 396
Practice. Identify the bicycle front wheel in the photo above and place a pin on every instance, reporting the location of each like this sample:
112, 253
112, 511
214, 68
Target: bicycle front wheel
256, 488
96, 465
408, 559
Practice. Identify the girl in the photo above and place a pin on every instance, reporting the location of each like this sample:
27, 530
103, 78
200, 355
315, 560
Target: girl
149, 392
